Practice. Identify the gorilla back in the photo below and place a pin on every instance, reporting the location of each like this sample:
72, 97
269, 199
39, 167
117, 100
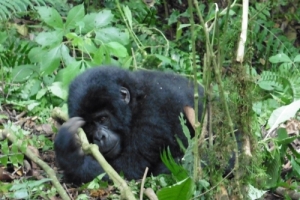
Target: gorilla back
131, 116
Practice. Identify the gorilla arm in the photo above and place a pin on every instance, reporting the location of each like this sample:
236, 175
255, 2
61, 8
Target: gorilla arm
78, 167
81, 168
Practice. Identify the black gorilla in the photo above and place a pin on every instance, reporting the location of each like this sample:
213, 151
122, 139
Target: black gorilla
131, 116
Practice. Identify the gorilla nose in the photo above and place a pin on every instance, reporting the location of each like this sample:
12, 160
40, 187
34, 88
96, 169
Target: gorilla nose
100, 136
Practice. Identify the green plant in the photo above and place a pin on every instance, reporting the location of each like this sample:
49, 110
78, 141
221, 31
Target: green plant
275, 159
8, 8
265, 38
89, 38
31, 189
282, 82
80, 42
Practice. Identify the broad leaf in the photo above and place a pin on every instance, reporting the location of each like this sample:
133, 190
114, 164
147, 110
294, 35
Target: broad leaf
65, 53
51, 17
281, 57
23, 72
88, 23
103, 18
112, 34
70, 72
75, 14
117, 49
182, 190
51, 60
49, 38
58, 90
273, 168
297, 58
36, 54
282, 114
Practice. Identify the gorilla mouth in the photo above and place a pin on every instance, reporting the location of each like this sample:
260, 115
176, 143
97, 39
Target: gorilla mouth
113, 151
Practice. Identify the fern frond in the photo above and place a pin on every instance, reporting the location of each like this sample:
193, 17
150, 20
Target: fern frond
8, 7
284, 80
15, 54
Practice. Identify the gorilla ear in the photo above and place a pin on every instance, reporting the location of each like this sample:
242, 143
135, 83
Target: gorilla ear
125, 94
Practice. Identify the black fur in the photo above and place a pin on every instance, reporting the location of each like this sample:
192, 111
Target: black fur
131, 135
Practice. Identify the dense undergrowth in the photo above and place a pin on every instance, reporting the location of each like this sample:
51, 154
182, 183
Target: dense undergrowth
44, 44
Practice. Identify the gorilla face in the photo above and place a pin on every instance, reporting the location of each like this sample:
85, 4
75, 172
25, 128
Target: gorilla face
99, 130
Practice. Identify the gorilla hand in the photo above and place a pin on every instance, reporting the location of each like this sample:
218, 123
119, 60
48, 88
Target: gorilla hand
77, 166
73, 124
67, 134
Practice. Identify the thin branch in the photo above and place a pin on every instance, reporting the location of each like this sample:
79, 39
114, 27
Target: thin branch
243, 36
51, 173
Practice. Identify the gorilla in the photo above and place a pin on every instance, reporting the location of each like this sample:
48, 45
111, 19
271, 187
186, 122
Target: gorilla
131, 116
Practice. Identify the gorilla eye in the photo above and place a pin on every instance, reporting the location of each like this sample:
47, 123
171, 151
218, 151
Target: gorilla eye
102, 119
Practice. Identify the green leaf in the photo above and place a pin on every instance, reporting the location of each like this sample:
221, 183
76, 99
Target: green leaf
282, 114
177, 170
21, 194
49, 39
36, 54
51, 17
182, 190
103, 18
3, 37
297, 58
128, 15
75, 15
99, 55
282, 134
281, 57
283, 138
273, 165
188, 158
88, 23
70, 72
41, 93
13, 157
127, 63
32, 105
112, 34
183, 26
23, 72
65, 53
23, 147
3, 116
76, 40
3, 160
51, 59
29, 184
164, 59
296, 167
35, 86
117, 49
185, 129
4, 147
57, 89
4, 153
266, 85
